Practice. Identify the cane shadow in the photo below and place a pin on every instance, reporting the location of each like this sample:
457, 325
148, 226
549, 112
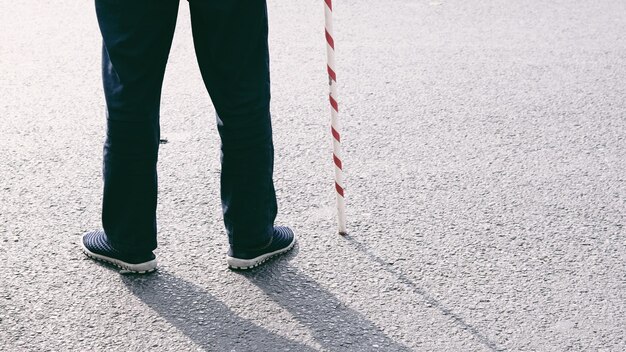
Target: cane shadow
334, 326
428, 299
202, 318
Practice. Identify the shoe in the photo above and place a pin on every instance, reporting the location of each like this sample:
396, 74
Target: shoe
281, 242
96, 246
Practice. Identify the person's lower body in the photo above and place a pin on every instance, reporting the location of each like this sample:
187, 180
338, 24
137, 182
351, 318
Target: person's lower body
230, 39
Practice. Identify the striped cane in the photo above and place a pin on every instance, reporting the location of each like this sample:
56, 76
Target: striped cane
334, 110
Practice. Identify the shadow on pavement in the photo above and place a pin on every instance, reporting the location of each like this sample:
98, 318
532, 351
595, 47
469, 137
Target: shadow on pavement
492, 346
213, 326
204, 319
333, 325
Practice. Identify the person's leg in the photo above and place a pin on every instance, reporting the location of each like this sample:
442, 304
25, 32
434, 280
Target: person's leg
137, 36
230, 38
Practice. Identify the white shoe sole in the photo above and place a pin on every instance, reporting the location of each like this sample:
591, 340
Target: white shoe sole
243, 264
125, 268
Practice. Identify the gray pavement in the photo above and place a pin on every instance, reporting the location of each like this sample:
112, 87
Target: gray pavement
485, 158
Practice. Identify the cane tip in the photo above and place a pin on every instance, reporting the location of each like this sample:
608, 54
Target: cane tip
343, 233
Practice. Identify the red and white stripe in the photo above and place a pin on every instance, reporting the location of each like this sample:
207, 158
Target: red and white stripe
334, 110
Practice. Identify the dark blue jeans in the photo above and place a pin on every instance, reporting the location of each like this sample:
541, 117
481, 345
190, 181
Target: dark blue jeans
230, 39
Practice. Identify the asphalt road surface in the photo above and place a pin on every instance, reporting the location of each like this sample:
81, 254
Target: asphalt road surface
485, 160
